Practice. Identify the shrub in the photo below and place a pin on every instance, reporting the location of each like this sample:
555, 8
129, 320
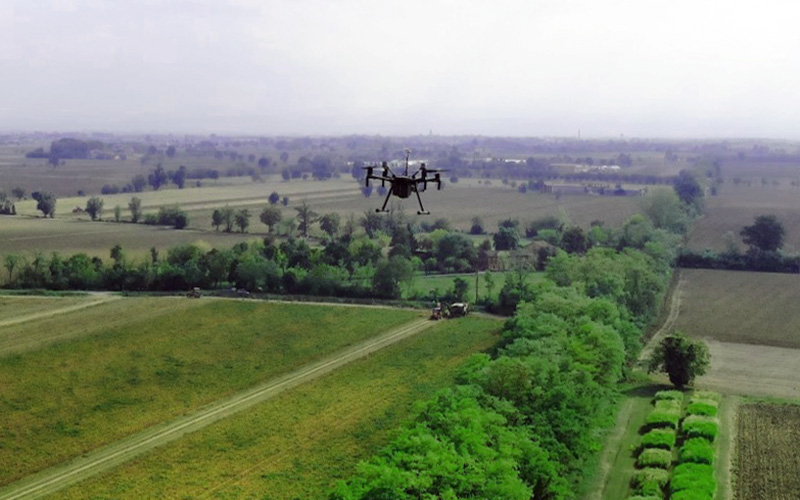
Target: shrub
691, 495
675, 395
695, 477
659, 438
649, 482
663, 418
702, 407
654, 457
668, 405
700, 426
697, 450
648, 497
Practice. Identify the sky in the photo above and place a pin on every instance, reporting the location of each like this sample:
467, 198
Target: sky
601, 68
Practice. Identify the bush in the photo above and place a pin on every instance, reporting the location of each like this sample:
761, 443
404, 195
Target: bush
675, 395
654, 457
691, 495
659, 438
663, 418
702, 407
700, 426
648, 497
697, 450
668, 405
698, 478
649, 482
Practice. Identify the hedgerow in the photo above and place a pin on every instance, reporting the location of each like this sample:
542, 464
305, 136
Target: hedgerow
697, 450
707, 395
691, 495
659, 438
700, 426
654, 457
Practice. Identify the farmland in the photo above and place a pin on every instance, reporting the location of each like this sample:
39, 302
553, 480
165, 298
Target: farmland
299, 444
768, 456
152, 360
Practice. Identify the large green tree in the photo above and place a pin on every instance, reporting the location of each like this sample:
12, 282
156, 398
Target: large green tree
305, 217
94, 207
270, 216
681, 358
766, 233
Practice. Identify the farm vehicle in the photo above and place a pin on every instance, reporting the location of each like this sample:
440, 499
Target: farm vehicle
455, 310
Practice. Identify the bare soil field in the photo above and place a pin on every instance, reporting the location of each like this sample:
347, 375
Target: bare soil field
741, 307
768, 456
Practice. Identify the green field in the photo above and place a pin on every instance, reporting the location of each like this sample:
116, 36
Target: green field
298, 445
741, 307
14, 307
132, 363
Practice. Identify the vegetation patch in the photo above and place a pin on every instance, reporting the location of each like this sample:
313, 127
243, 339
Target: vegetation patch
767, 454
698, 478
137, 370
654, 457
659, 438
697, 450
700, 426
650, 481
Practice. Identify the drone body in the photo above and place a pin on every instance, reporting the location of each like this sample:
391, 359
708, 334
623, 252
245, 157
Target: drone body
403, 185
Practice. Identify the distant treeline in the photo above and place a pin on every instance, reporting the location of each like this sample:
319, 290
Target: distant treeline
761, 261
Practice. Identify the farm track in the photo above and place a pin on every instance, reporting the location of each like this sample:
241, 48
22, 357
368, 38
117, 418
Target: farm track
669, 322
61, 476
16, 344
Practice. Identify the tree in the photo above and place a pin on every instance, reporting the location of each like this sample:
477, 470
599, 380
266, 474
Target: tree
389, 274
689, 190
477, 226
18, 193
179, 177
506, 238
227, 214
158, 177
330, 224
270, 216
460, 288
138, 182
680, 357
46, 202
766, 233
242, 219
10, 262
94, 207
170, 151
274, 198
216, 218
135, 206
117, 213
305, 217
574, 240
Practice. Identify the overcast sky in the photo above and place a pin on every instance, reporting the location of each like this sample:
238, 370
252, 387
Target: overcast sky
637, 68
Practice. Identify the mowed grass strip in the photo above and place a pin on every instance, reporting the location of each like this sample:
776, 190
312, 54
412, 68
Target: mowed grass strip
741, 307
299, 444
71, 397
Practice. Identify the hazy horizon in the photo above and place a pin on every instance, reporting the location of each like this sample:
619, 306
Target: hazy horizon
629, 69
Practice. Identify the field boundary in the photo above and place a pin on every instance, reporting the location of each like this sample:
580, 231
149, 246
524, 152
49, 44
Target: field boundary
672, 317
61, 476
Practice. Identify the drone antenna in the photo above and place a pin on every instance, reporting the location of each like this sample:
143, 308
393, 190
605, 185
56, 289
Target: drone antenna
408, 153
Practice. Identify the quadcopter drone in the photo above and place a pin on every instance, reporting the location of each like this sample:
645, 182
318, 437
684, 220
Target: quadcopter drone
403, 185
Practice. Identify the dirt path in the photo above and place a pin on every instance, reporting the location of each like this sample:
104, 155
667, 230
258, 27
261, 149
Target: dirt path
674, 310
728, 419
611, 449
56, 478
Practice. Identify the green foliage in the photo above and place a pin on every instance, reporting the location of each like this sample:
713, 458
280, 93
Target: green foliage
692, 495
695, 477
654, 457
675, 395
707, 395
649, 481
681, 357
659, 438
702, 407
766, 234
697, 450
94, 207
663, 418
664, 209
689, 190
700, 426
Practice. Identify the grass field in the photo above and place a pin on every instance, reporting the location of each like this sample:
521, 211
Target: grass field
299, 444
741, 307
443, 284
153, 360
12, 307
768, 459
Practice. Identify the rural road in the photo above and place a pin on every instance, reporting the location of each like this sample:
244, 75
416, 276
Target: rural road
61, 476
669, 322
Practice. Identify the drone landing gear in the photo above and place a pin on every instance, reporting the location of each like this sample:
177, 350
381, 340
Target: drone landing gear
385, 202
421, 210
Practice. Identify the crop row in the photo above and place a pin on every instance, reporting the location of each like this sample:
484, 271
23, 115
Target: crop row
676, 454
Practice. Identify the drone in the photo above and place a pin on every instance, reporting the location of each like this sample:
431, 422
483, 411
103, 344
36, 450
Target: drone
403, 185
